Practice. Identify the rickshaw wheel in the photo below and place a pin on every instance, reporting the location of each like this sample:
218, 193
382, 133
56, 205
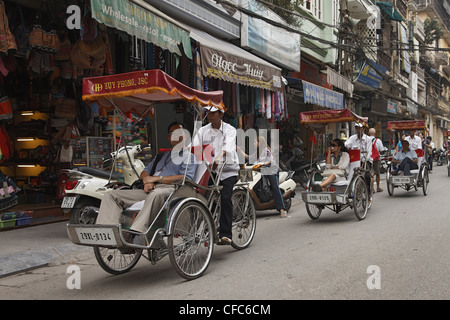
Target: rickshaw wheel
191, 240
425, 180
115, 261
244, 223
360, 199
390, 186
313, 211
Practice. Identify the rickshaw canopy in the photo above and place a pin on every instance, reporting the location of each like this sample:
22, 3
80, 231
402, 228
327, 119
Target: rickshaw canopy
317, 120
406, 125
136, 91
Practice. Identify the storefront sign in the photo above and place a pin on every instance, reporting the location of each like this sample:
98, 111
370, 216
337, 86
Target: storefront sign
233, 68
322, 96
392, 107
406, 125
370, 77
330, 116
271, 42
138, 21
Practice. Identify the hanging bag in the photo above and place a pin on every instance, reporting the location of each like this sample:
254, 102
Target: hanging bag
42, 40
7, 42
20, 31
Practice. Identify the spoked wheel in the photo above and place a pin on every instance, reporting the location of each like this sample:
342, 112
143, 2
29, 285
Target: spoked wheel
191, 240
116, 261
244, 219
360, 199
390, 186
425, 181
313, 210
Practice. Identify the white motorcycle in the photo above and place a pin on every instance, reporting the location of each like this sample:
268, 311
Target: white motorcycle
250, 178
86, 186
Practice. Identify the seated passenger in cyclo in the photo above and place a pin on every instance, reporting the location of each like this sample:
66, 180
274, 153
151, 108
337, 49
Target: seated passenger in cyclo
405, 160
158, 178
337, 165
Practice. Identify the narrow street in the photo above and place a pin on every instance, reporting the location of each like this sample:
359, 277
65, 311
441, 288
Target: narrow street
400, 251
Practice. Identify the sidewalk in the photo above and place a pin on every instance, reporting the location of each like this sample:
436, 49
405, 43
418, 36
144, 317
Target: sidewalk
34, 247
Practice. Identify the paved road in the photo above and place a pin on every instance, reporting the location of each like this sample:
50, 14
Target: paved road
400, 250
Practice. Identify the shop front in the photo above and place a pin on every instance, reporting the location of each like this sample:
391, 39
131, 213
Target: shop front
45, 126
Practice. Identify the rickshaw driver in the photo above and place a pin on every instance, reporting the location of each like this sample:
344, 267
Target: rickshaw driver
222, 137
157, 187
362, 142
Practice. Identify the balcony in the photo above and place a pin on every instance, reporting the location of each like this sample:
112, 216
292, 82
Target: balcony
419, 29
435, 7
441, 58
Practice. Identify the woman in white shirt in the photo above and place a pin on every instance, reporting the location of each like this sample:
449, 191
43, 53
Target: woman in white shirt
338, 162
266, 158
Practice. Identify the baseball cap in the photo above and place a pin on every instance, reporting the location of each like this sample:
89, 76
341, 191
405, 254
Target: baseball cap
357, 124
212, 109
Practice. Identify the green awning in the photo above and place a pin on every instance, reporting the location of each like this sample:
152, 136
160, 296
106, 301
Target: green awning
390, 11
138, 21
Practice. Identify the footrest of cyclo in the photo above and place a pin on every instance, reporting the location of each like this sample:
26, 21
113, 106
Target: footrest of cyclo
96, 235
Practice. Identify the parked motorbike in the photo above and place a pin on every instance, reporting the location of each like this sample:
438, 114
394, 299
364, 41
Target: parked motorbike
86, 186
385, 159
261, 193
441, 157
292, 161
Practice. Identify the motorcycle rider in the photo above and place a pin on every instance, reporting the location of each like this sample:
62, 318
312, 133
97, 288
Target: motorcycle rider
429, 146
157, 178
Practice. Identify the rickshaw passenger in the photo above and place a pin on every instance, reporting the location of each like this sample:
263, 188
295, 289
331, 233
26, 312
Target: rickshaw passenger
337, 165
157, 177
406, 160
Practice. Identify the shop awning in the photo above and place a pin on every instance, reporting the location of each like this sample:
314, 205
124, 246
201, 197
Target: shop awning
223, 60
138, 18
390, 11
322, 96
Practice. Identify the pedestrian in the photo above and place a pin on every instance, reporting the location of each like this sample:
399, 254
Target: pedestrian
158, 178
376, 145
222, 137
266, 158
362, 142
429, 147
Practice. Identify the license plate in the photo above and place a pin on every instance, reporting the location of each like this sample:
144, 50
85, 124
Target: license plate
68, 202
401, 180
96, 236
318, 198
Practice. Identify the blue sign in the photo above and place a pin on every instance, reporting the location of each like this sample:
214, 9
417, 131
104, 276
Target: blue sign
322, 96
370, 77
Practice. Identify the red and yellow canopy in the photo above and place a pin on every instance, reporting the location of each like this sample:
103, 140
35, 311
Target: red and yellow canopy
406, 125
135, 91
330, 116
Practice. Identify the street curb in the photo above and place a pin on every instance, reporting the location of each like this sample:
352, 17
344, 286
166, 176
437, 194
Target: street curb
34, 259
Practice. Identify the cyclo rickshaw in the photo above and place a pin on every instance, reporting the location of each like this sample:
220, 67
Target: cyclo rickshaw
419, 177
353, 191
186, 226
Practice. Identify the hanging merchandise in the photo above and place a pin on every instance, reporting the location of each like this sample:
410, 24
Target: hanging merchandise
88, 31
5, 106
268, 105
20, 31
41, 39
8, 192
6, 148
89, 54
7, 41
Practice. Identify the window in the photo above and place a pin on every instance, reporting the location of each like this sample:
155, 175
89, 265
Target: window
313, 6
